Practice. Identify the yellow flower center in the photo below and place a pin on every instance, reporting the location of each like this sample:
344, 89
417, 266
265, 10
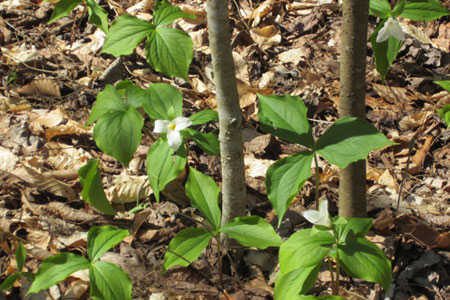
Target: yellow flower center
172, 126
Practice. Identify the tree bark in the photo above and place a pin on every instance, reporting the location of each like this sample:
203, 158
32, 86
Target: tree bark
352, 184
230, 115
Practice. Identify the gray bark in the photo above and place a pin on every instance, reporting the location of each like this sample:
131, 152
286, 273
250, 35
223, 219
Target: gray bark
352, 184
230, 115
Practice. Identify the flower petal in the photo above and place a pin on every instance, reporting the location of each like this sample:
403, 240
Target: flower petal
396, 31
383, 34
161, 126
174, 139
323, 212
312, 216
181, 123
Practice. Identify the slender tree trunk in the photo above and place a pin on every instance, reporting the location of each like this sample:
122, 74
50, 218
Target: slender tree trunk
230, 115
352, 184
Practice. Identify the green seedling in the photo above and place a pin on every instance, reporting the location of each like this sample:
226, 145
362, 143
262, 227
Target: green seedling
21, 255
97, 15
107, 281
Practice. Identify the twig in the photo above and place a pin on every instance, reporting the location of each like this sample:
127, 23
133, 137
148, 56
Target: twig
411, 147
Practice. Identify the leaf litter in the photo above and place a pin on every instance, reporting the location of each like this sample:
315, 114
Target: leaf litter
51, 75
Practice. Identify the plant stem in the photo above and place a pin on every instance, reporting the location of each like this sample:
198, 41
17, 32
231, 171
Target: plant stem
219, 250
316, 193
338, 271
330, 268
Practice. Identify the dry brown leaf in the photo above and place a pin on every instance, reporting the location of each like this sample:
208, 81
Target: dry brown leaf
67, 213
44, 87
64, 157
70, 128
387, 179
266, 31
294, 56
266, 37
416, 33
56, 187
199, 14
443, 38
141, 6
395, 95
414, 121
15, 54
41, 119
421, 153
127, 188
262, 10
8, 160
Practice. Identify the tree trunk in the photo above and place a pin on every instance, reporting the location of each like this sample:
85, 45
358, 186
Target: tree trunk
230, 115
352, 184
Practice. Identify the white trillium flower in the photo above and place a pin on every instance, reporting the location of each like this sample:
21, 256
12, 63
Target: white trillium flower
320, 217
172, 128
390, 28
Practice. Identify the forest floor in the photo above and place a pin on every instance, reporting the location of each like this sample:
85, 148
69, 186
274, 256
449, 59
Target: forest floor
51, 74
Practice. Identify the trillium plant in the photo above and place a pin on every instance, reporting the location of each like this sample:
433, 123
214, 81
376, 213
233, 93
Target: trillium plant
337, 241
118, 127
347, 140
388, 36
189, 243
107, 281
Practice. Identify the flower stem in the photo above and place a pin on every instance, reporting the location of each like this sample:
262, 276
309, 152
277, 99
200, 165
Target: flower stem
330, 268
316, 193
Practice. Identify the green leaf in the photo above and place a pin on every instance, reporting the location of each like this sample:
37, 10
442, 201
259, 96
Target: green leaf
204, 116
102, 238
93, 192
55, 269
125, 33
252, 231
285, 178
445, 84
424, 11
204, 195
21, 255
122, 86
97, 15
28, 275
304, 250
348, 140
162, 97
445, 114
165, 13
398, 8
62, 9
208, 142
107, 100
109, 282
136, 96
380, 8
299, 281
354, 227
384, 52
169, 51
189, 243
363, 259
163, 165
285, 117
119, 133
9, 281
